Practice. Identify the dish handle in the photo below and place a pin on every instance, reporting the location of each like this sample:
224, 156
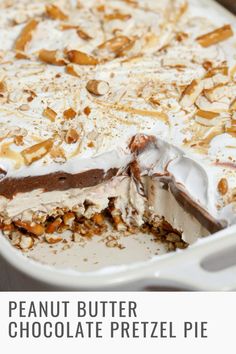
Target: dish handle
210, 265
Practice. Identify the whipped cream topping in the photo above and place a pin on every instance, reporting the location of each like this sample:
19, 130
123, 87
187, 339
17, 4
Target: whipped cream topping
148, 78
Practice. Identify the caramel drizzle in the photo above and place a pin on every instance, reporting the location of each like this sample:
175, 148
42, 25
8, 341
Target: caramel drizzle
124, 121
207, 140
202, 144
135, 111
226, 165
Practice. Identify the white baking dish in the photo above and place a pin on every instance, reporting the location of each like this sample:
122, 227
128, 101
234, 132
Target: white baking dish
210, 264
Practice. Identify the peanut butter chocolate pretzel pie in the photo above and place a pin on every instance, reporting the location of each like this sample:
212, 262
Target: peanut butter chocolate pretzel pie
117, 114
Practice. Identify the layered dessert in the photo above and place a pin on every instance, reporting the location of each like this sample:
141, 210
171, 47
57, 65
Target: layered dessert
118, 112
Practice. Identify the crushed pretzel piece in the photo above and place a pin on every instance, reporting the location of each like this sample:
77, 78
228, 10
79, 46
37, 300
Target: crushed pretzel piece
98, 218
53, 239
117, 45
8, 229
3, 86
81, 58
36, 152
97, 87
223, 186
181, 36
233, 72
205, 105
219, 35
232, 106
87, 111
83, 35
71, 136
191, 93
223, 70
50, 114
26, 35
21, 55
69, 113
207, 114
19, 140
33, 228
231, 130
55, 13
53, 226
24, 107
58, 154
207, 65
215, 77
91, 144
216, 93
175, 62
69, 218
101, 8
51, 57
26, 242
118, 222
117, 16
32, 95
72, 70
206, 118
15, 238
112, 243
131, 2
67, 27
